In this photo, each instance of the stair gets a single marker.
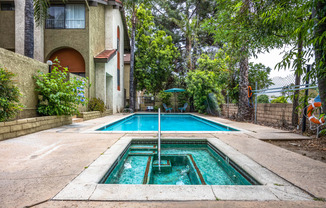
(144, 147)
(142, 152)
(166, 166)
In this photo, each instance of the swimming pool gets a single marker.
(182, 163)
(169, 122)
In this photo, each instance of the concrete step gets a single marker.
(144, 147)
(142, 152)
(165, 166)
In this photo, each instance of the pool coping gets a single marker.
(86, 185)
(95, 128)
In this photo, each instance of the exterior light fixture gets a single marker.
(49, 62)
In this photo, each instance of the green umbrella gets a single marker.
(174, 90)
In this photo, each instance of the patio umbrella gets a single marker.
(174, 90)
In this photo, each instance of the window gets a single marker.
(7, 6)
(70, 16)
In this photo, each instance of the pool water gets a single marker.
(169, 122)
(182, 164)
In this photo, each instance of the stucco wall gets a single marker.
(7, 29)
(96, 39)
(78, 39)
(24, 68)
(126, 79)
(19, 26)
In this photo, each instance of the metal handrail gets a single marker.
(291, 87)
(159, 139)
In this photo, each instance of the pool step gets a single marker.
(166, 166)
(142, 152)
(144, 147)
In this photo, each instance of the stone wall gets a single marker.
(94, 114)
(22, 127)
(279, 114)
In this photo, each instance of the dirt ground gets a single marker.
(313, 148)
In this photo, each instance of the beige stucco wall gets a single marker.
(96, 40)
(113, 20)
(7, 29)
(19, 26)
(126, 79)
(24, 68)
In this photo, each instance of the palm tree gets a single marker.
(34, 9)
(29, 29)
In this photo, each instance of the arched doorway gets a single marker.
(71, 59)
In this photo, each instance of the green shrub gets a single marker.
(263, 99)
(96, 104)
(200, 84)
(280, 99)
(9, 96)
(165, 97)
(58, 95)
(183, 98)
(156, 108)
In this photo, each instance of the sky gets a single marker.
(271, 59)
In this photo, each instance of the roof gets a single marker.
(126, 58)
(105, 56)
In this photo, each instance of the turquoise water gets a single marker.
(169, 122)
(184, 158)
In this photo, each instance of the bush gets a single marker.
(263, 99)
(182, 98)
(9, 96)
(59, 94)
(165, 97)
(96, 104)
(200, 84)
(156, 108)
(280, 99)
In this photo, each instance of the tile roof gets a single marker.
(105, 56)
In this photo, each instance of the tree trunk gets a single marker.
(243, 107)
(295, 112)
(320, 52)
(188, 51)
(132, 91)
(29, 29)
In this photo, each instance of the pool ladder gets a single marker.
(159, 139)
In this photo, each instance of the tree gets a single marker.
(29, 29)
(306, 20)
(131, 5)
(260, 74)
(154, 55)
(200, 84)
(182, 19)
(320, 48)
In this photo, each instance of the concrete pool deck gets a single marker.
(36, 167)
